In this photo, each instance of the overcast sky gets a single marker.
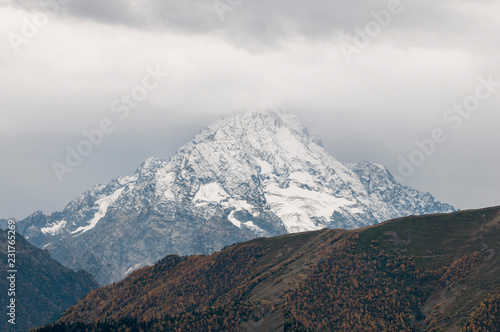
(368, 95)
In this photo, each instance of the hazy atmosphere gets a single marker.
(413, 85)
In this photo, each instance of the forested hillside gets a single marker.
(42, 288)
(428, 273)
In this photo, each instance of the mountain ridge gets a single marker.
(418, 273)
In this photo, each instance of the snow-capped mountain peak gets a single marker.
(255, 174)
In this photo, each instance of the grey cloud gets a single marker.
(395, 92)
(270, 22)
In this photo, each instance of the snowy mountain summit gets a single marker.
(256, 174)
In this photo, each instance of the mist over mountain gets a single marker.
(258, 174)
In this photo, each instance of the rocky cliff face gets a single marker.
(253, 175)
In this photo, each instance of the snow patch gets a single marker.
(248, 224)
(168, 194)
(54, 228)
(295, 206)
(127, 179)
(239, 205)
(233, 219)
(255, 228)
(164, 182)
(211, 192)
(103, 204)
(265, 167)
(133, 268)
(303, 178)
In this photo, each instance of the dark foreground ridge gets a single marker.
(43, 289)
(426, 273)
